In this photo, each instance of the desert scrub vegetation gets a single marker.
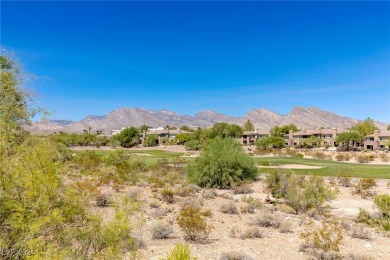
(299, 192)
(193, 224)
(180, 252)
(323, 240)
(222, 164)
(363, 187)
(344, 179)
(229, 208)
(343, 157)
(235, 256)
(161, 230)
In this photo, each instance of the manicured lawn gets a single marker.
(330, 168)
(148, 156)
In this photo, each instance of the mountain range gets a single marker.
(262, 118)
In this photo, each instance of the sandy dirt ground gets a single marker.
(274, 245)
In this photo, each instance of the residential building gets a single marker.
(378, 140)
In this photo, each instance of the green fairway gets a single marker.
(148, 156)
(330, 168)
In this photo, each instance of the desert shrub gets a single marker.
(267, 219)
(363, 187)
(88, 160)
(299, 192)
(363, 158)
(115, 158)
(228, 208)
(192, 223)
(382, 202)
(251, 232)
(193, 201)
(242, 189)
(319, 155)
(159, 212)
(222, 164)
(344, 179)
(161, 230)
(207, 213)
(254, 202)
(361, 233)
(285, 227)
(358, 257)
(168, 195)
(299, 155)
(180, 252)
(102, 200)
(343, 157)
(327, 237)
(235, 256)
(192, 145)
(367, 183)
(186, 190)
(384, 157)
(364, 217)
(209, 194)
(286, 209)
(155, 204)
(248, 208)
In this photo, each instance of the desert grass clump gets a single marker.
(319, 155)
(251, 233)
(242, 189)
(363, 187)
(193, 224)
(209, 194)
(168, 195)
(267, 219)
(102, 200)
(180, 252)
(285, 227)
(235, 256)
(362, 158)
(382, 202)
(161, 230)
(360, 233)
(229, 208)
(384, 157)
(343, 157)
(248, 209)
(344, 179)
(253, 202)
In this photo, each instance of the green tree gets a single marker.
(270, 142)
(365, 127)
(14, 101)
(224, 130)
(347, 140)
(248, 126)
(312, 141)
(144, 128)
(222, 164)
(150, 140)
(182, 138)
(128, 137)
(186, 128)
(282, 130)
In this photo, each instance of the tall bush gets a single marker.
(222, 164)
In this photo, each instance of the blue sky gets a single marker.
(94, 57)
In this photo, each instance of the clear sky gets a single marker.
(94, 57)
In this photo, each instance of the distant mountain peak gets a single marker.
(262, 118)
